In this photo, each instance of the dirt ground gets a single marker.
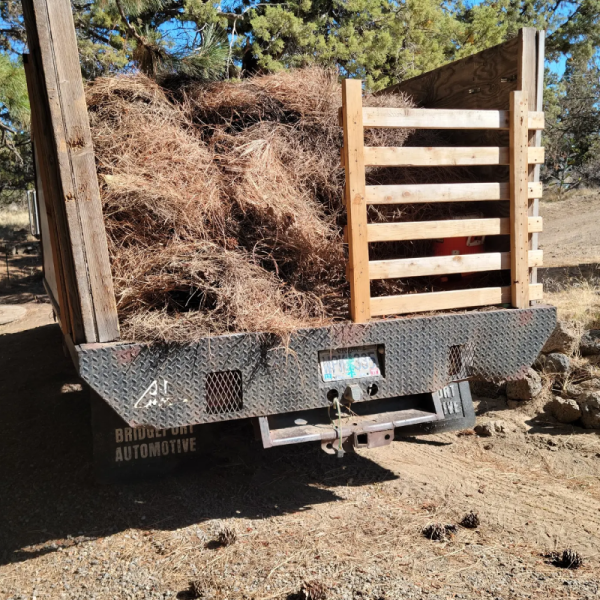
(353, 525)
(570, 234)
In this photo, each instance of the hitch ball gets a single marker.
(353, 393)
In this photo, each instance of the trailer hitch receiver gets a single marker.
(372, 439)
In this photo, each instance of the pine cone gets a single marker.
(313, 590)
(227, 537)
(471, 520)
(438, 532)
(569, 559)
(195, 590)
(435, 532)
(199, 588)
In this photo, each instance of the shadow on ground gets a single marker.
(50, 498)
(546, 425)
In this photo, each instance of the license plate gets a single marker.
(349, 363)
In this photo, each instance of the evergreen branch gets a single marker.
(92, 33)
(8, 129)
(130, 28)
(7, 143)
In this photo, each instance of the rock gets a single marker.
(526, 388)
(589, 385)
(564, 410)
(489, 428)
(540, 363)
(484, 430)
(589, 404)
(557, 363)
(499, 426)
(563, 339)
(572, 391)
(590, 343)
(575, 390)
(487, 389)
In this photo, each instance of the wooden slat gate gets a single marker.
(519, 121)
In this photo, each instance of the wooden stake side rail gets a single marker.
(519, 120)
(66, 295)
(431, 230)
(432, 118)
(358, 249)
(519, 202)
(445, 157)
(69, 172)
(446, 265)
(483, 81)
(444, 192)
(476, 156)
(413, 303)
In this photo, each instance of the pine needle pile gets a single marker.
(223, 202)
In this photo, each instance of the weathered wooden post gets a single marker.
(68, 173)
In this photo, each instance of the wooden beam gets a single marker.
(356, 206)
(52, 42)
(446, 265)
(432, 118)
(519, 227)
(530, 78)
(430, 230)
(413, 303)
(536, 140)
(443, 192)
(443, 156)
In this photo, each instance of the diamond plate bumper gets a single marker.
(162, 385)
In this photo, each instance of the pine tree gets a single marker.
(572, 135)
(381, 41)
(115, 35)
(573, 28)
(15, 158)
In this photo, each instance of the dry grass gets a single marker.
(578, 301)
(553, 194)
(14, 219)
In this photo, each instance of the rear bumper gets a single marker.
(372, 424)
(252, 375)
(122, 452)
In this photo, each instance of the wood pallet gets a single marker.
(519, 121)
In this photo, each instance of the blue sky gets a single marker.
(558, 66)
